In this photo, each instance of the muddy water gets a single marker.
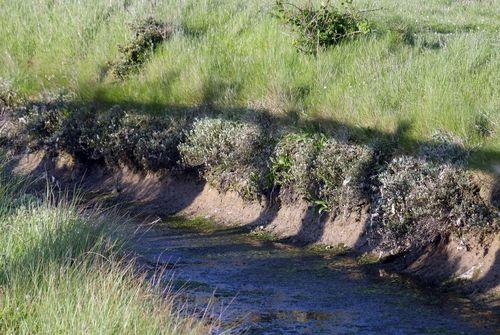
(263, 288)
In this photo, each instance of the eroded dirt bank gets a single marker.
(155, 194)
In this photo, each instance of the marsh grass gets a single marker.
(60, 272)
(432, 64)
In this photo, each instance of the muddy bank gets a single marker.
(475, 266)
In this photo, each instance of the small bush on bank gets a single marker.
(421, 200)
(8, 97)
(326, 172)
(292, 164)
(148, 143)
(147, 36)
(231, 154)
(341, 172)
(114, 135)
(318, 28)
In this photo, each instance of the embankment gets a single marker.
(475, 265)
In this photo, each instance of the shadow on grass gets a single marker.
(387, 142)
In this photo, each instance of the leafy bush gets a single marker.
(148, 35)
(443, 148)
(114, 135)
(318, 28)
(44, 124)
(231, 154)
(326, 172)
(8, 96)
(292, 164)
(341, 172)
(149, 143)
(421, 200)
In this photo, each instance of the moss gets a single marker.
(368, 258)
(262, 235)
(331, 250)
(195, 224)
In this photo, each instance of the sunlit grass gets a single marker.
(60, 273)
(234, 53)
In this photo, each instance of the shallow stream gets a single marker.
(259, 287)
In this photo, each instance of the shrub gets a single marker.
(292, 164)
(149, 143)
(421, 200)
(8, 97)
(147, 36)
(114, 135)
(231, 154)
(44, 124)
(444, 148)
(341, 172)
(318, 28)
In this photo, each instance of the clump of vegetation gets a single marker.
(292, 164)
(8, 96)
(322, 170)
(231, 154)
(113, 135)
(198, 224)
(417, 199)
(60, 270)
(261, 234)
(341, 172)
(147, 36)
(421, 200)
(319, 28)
(147, 142)
(444, 148)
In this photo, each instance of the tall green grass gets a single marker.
(60, 273)
(234, 53)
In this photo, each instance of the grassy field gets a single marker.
(433, 65)
(59, 273)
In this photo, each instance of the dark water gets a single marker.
(263, 288)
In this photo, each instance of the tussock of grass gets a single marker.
(60, 273)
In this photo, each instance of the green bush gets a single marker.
(147, 36)
(148, 143)
(292, 164)
(420, 200)
(8, 97)
(319, 28)
(114, 135)
(231, 154)
(341, 172)
(327, 173)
